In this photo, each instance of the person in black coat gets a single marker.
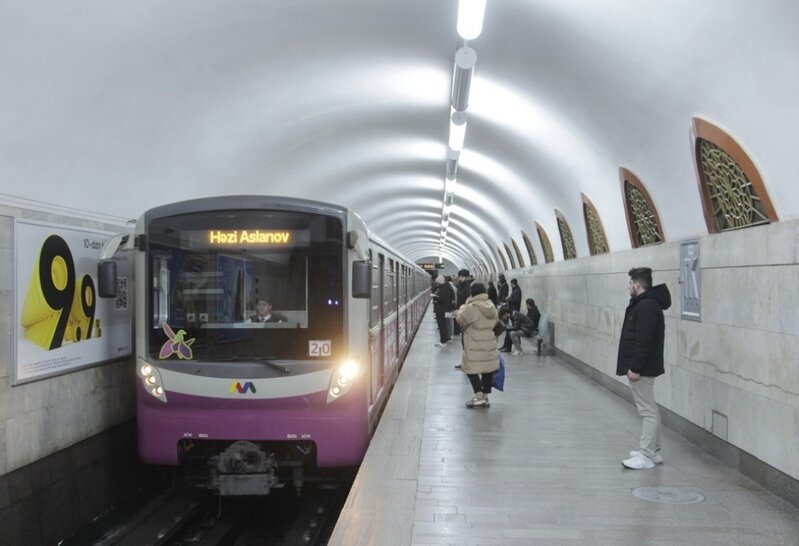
(442, 304)
(515, 298)
(532, 312)
(493, 295)
(503, 290)
(520, 326)
(464, 292)
(640, 358)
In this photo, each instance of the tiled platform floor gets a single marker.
(542, 465)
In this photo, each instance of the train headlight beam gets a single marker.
(342, 379)
(151, 379)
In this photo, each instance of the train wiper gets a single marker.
(261, 360)
(266, 360)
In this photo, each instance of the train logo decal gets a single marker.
(242, 389)
(176, 344)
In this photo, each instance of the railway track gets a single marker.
(187, 516)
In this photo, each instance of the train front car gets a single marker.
(247, 370)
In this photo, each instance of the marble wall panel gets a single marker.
(740, 360)
(43, 417)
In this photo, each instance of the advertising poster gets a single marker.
(60, 324)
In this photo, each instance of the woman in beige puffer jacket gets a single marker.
(477, 318)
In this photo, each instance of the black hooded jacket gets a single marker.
(643, 332)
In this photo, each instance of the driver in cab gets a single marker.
(264, 313)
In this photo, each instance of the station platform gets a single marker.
(542, 465)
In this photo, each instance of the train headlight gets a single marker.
(152, 380)
(342, 380)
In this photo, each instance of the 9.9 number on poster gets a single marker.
(56, 308)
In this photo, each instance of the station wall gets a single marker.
(40, 418)
(735, 373)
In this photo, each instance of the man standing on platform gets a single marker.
(641, 359)
(464, 289)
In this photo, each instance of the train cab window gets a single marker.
(210, 274)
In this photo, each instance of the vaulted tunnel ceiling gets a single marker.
(115, 107)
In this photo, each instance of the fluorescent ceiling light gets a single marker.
(457, 131)
(465, 59)
(446, 209)
(449, 198)
(449, 185)
(470, 18)
(452, 168)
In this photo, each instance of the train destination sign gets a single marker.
(260, 237)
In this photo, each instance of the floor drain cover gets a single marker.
(668, 495)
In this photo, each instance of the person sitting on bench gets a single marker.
(521, 325)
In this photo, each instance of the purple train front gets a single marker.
(268, 333)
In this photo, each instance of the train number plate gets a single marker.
(320, 347)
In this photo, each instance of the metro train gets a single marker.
(255, 405)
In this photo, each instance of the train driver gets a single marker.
(264, 313)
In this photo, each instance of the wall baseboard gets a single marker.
(768, 477)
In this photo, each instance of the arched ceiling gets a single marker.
(116, 107)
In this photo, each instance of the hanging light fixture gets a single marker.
(449, 185)
(465, 59)
(470, 18)
(457, 131)
(452, 163)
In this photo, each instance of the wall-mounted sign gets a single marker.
(690, 281)
(60, 324)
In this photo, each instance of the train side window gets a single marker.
(361, 279)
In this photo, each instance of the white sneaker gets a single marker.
(479, 400)
(657, 459)
(517, 353)
(638, 462)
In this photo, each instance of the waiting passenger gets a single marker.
(641, 360)
(442, 304)
(532, 312)
(520, 326)
(515, 298)
(264, 313)
(503, 290)
(493, 295)
(480, 360)
(463, 293)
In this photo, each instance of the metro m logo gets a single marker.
(237, 386)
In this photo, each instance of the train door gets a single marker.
(389, 315)
(403, 307)
(375, 328)
(395, 282)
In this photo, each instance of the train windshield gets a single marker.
(241, 285)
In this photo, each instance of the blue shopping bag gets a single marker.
(499, 375)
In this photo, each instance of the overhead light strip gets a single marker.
(469, 27)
